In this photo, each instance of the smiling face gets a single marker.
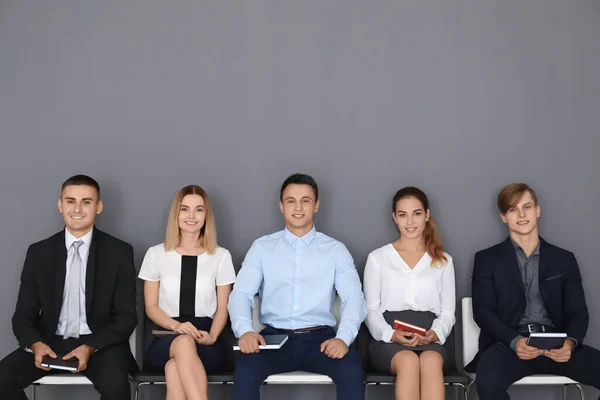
(79, 205)
(410, 217)
(192, 213)
(298, 206)
(521, 219)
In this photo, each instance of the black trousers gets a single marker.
(499, 367)
(107, 369)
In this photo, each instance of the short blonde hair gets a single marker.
(208, 233)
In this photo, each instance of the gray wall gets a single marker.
(458, 97)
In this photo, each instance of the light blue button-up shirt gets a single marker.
(296, 278)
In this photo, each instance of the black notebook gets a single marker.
(273, 342)
(58, 363)
(546, 340)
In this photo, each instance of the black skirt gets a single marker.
(381, 353)
(213, 356)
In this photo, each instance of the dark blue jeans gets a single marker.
(301, 352)
(499, 367)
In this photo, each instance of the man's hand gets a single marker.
(430, 337)
(249, 342)
(82, 353)
(334, 348)
(525, 352)
(563, 354)
(405, 338)
(205, 338)
(39, 351)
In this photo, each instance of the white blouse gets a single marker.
(391, 285)
(165, 267)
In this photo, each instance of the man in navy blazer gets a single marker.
(525, 285)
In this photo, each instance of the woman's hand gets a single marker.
(405, 338)
(430, 337)
(187, 328)
(206, 338)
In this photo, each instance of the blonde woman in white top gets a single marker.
(188, 279)
(412, 280)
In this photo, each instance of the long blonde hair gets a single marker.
(208, 233)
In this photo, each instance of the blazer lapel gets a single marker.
(90, 274)
(512, 264)
(60, 271)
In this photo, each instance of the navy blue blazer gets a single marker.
(499, 295)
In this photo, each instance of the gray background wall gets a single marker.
(458, 97)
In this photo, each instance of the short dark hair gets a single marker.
(81, 180)
(509, 196)
(300, 179)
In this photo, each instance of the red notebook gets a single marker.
(405, 326)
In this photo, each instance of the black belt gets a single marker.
(526, 329)
(304, 330)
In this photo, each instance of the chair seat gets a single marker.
(152, 377)
(449, 378)
(67, 378)
(298, 377)
(541, 379)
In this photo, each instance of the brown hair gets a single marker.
(431, 234)
(509, 196)
(208, 233)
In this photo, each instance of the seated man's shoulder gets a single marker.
(58, 237)
(555, 250)
(492, 251)
(112, 241)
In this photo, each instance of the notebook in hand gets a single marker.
(546, 340)
(273, 342)
(405, 326)
(58, 363)
(161, 333)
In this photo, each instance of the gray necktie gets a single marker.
(73, 311)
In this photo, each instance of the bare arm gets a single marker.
(221, 316)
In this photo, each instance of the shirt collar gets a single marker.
(517, 248)
(306, 239)
(86, 239)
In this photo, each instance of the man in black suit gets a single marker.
(525, 285)
(77, 299)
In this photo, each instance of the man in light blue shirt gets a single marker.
(296, 273)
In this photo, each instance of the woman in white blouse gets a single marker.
(411, 280)
(187, 283)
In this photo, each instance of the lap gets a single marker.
(212, 357)
(382, 353)
(19, 366)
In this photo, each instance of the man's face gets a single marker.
(298, 207)
(79, 205)
(522, 218)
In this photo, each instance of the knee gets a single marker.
(171, 367)
(183, 344)
(114, 388)
(348, 368)
(248, 370)
(430, 361)
(491, 380)
(406, 362)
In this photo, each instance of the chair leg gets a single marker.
(565, 392)
(464, 389)
(32, 392)
(468, 389)
(581, 393)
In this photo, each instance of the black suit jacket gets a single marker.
(110, 287)
(499, 294)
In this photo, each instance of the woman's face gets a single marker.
(192, 213)
(410, 217)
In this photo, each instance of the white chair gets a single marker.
(69, 378)
(296, 377)
(470, 348)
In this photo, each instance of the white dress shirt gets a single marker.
(84, 251)
(165, 267)
(391, 285)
